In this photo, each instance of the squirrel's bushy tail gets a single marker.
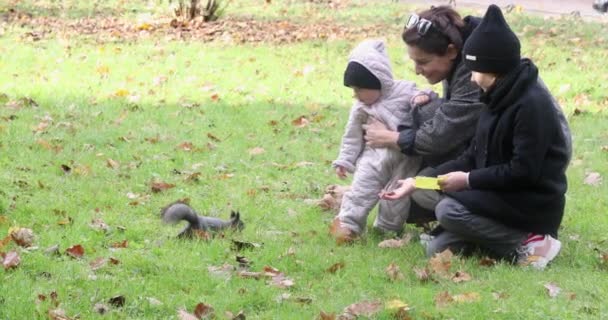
(178, 211)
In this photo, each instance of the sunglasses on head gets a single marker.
(422, 25)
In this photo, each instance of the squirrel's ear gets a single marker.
(232, 214)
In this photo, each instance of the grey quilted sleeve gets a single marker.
(352, 141)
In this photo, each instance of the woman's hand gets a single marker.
(378, 136)
(341, 172)
(405, 189)
(454, 181)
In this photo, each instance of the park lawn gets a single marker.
(107, 119)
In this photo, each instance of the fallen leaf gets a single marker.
(239, 316)
(461, 276)
(604, 148)
(122, 244)
(243, 261)
(335, 267)
(111, 163)
(10, 260)
(242, 245)
(393, 243)
(400, 309)
(66, 168)
(213, 137)
(5, 241)
(363, 308)
(101, 308)
(423, 274)
(57, 314)
(223, 271)
(184, 315)
(487, 262)
(394, 272)
(75, 251)
(281, 281)
(552, 289)
(593, 179)
(158, 186)
(327, 316)
(99, 224)
(499, 295)
(186, 146)
(117, 301)
(441, 262)
(22, 236)
(256, 151)
(203, 311)
(52, 250)
(443, 299)
(467, 297)
(98, 263)
(341, 234)
(300, 122)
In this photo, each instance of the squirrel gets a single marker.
(178, 211)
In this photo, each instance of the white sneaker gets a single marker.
(538, 250)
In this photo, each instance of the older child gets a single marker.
(506, 193)
(380, 98)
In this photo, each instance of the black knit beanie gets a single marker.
(356, 75)
(492, 47)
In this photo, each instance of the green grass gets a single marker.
(168, 90)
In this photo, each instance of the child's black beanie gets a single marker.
(356, 75)
(492, 47)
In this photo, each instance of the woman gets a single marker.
(434, 40)
(508, 188)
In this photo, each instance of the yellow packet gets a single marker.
(427, 183)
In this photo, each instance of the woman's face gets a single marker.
(433, 67)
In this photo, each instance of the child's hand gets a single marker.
(421, 99)
(454, 181)
(405, 189)
(341, 172)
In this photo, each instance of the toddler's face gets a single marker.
(484, 80)
(367, 96)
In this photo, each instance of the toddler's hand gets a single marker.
(406, 188)
(420, 99)
(341, 172)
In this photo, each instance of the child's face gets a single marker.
(366, 96)
(484, 80)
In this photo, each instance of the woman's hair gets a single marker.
(446, 30)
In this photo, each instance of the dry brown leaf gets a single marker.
(326, 316)
(117, 301)
(101, 308)
(98, 263)
(281, 281)
(5, 241)
(10, 260)
(57, 314)
(203, 311)
(122, 244)
(223, 271)
(300, 122)
(400, 309)
(158, 186)
(341, 234)
(213, 137)
(552, 289)
(441, 263)
(467, 297)
(423, 274)
(394, 272)
(22, 236)
(396, 243)
(604, 148)
(443, 299)
(256, 151)
(99, 224)
(184, 315)
(461, 276)
(499, 295)
(487, 262)
(335, 267)
(186, 146)
(593, 179)
(363, 308)
(111, 163)
(75, 251)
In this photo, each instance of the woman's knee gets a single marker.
(449, 212)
